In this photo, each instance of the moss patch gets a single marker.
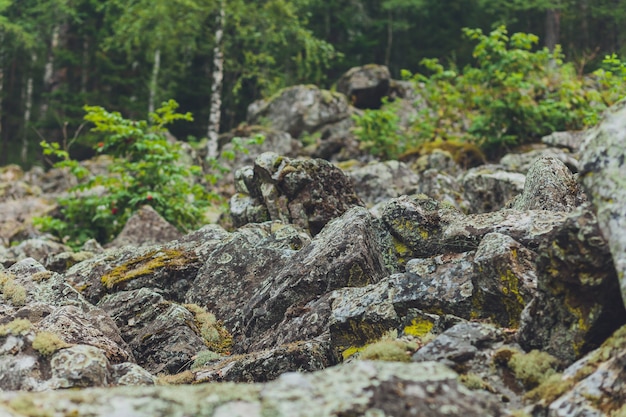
(48, 343)
(186, 377)
(216, 337)
(147, 264)
(16, 327)
(419, 327)
(531, 368)
(11, 290)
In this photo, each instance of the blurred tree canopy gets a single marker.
(130, 55)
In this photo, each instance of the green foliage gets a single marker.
(144, 169)
(512, 95)
(380, 133)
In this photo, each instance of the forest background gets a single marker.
(130, 55)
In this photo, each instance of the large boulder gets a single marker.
(603, 176)
(306, 192)
(365, 86)
(299, 109)
(145, 227)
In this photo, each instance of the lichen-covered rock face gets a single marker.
(398, 389)
(80, 366)
(570, 140)
(307, 193)
(171, 268)
(299, 109)
(578, 304)
(365, 86)
(145, 227)
(38, 249)
(161, 334)
(521, 162)
(549, 185)
(352, 251)
(603, 176)
(239, 265)
(267, 365)
(489, 188)
(381, 181)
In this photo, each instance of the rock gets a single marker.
(549, 185)
(603, 176)
(505, 279)
(145, 227)
(578, 303)
(592, 386)
(239, 265)
(489, 188)
(351, 251)
(398, 389)
(307, 193)
(380, 181)
(63, 261)
(74, 326)
(337, 141)
(38, 249)
(299, 109)
(17, 216)
(170, 268)
(80, 366)
(571, 140)
(444, 188)
(365, 86)
(267, 365)
(161, 334)
(521, 162)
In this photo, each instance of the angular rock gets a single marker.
(145, 227)
(162, 335)
(360, 388)
(307, 193)
(351, 251)
(299, 109)
(505, 279)
(74, 326)
(37, 249)
(578, 303)
(170, 268)
(267, 365)
(380, 181)
(63, 261)
(521, 162)
(549, 185)
(80, 366)
(603, 176)
(365, 86)
(444, 188)
(239, 265)
(489, 188)
(337, 141)
(571, 140)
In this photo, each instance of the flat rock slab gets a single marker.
(361, 388)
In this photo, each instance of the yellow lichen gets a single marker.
(41, 276)
(48, 343)
(216, 337)
(11, 290)
(147, 264)
(419, 327)
(15, 327)
(386, 350)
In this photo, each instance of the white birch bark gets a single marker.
(216, 88)
(28, 105)
(154, 81)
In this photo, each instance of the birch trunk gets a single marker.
(154, 81)
(48, 74)
(216, 88)
(28, 100)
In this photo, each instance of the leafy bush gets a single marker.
(512, 95)
(144, 169)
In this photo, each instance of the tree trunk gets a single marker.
(553, 28)
(48, 74)
(1, 80)
(28, 105)
(84, 70)
(216, 88)
(389, 38)
(155, 77)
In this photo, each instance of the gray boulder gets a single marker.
(299, 109)
(307, 193)
(549, 185)
(380, 181)
(365, 86)
(145, 227)
(399, 389)
(603, 176)
(489, 188)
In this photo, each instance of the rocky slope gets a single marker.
(345, 288)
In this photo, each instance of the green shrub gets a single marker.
(512, 95)
(144, 169)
